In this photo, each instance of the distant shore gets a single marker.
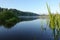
(44, 16)
(41, 16)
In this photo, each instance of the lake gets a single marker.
(29, 29)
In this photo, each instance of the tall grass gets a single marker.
(54, 19)
(51, 16)
(54, 22)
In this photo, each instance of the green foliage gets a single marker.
(11, 22)
(19, 13)
(7, 14)
(54, 19)
(54, 22)
(8, 18)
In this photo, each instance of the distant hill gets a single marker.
(19, 13)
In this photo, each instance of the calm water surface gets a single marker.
(37, 29)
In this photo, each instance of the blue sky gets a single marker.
(36, 6)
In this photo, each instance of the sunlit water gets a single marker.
(37, 29)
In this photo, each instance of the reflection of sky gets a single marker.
(28, 30)
(38, 6)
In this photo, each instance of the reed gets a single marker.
(54, 19)
(54, 22)
(51, 16)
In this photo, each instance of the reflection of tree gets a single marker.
(10, 23)
(56, 34)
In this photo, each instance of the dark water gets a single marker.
(28, 29)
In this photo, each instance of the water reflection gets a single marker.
(11, 24)
(56, 33)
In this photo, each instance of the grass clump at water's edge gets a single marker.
(54, 19)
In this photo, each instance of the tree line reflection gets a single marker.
(11, 24)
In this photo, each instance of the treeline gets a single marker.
(18, 12)
(9, 17)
